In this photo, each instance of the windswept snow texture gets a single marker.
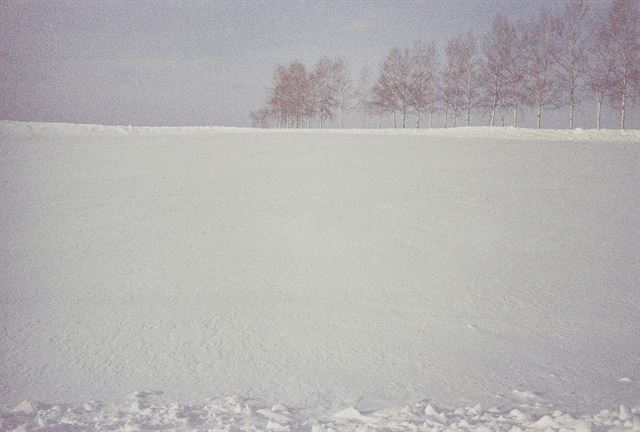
(320, 268)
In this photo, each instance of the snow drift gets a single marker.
(321, 269)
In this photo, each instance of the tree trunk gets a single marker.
(364, 117)
(446, 116)
(493, 111)
(321, 120)
(598, 112)
(571, 109)
(418, 120)
(469, 115)
(539, 117)
(502, 113)
(379, 119)
(404, 118)
(455, 116)
(515, 114)
(430, 119)
(393, 116)
(622, 114)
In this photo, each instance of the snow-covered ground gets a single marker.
(308, 280)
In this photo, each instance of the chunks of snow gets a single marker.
(430, 411)
(351, 413)
(26, 407)
(161, 415)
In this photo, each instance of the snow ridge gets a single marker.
(483, 132)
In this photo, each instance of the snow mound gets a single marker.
(145, 412)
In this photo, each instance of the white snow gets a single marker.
(330, 279)
(222, 414)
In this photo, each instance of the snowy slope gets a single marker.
(320, 269)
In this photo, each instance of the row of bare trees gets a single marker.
(299, 95)
(560, 59)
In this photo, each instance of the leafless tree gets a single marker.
(277, 102)
(496, 48)
(290, 95)
(382, 101)
(343, 86)
(324, 90)
(469, 74)
(571, 54)
(394, 83)
(466, 75)
(541, 48)
(424, 80)
(458, 56)
(363, 93)
(516, 92)
(600, 64)
(299, 93)
(624, 24)
(448, 93)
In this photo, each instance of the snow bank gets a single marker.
(485, 132)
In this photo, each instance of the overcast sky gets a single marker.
(170, 62)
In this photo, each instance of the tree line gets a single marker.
(559, 59)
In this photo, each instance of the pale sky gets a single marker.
(170, 62)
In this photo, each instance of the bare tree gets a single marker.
(452, 78)
(571, 53)
(394, 83)
(541, 49)
(299, 87)
(469, 74)
(324, 90)
(423, 81)
(496, 46)
(310, 104)
(277, 101)
(516, 92)
(432, 89)
(600, 64)
(363, 93)
(343, 86)
(382, 101)
(623, 21)
(447, 92)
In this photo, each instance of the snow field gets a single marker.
(318, 270)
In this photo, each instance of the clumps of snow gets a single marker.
(352, 414)
(431, 412)
(149, 412)
(524, 396)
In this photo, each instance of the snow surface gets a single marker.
(344, 276)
